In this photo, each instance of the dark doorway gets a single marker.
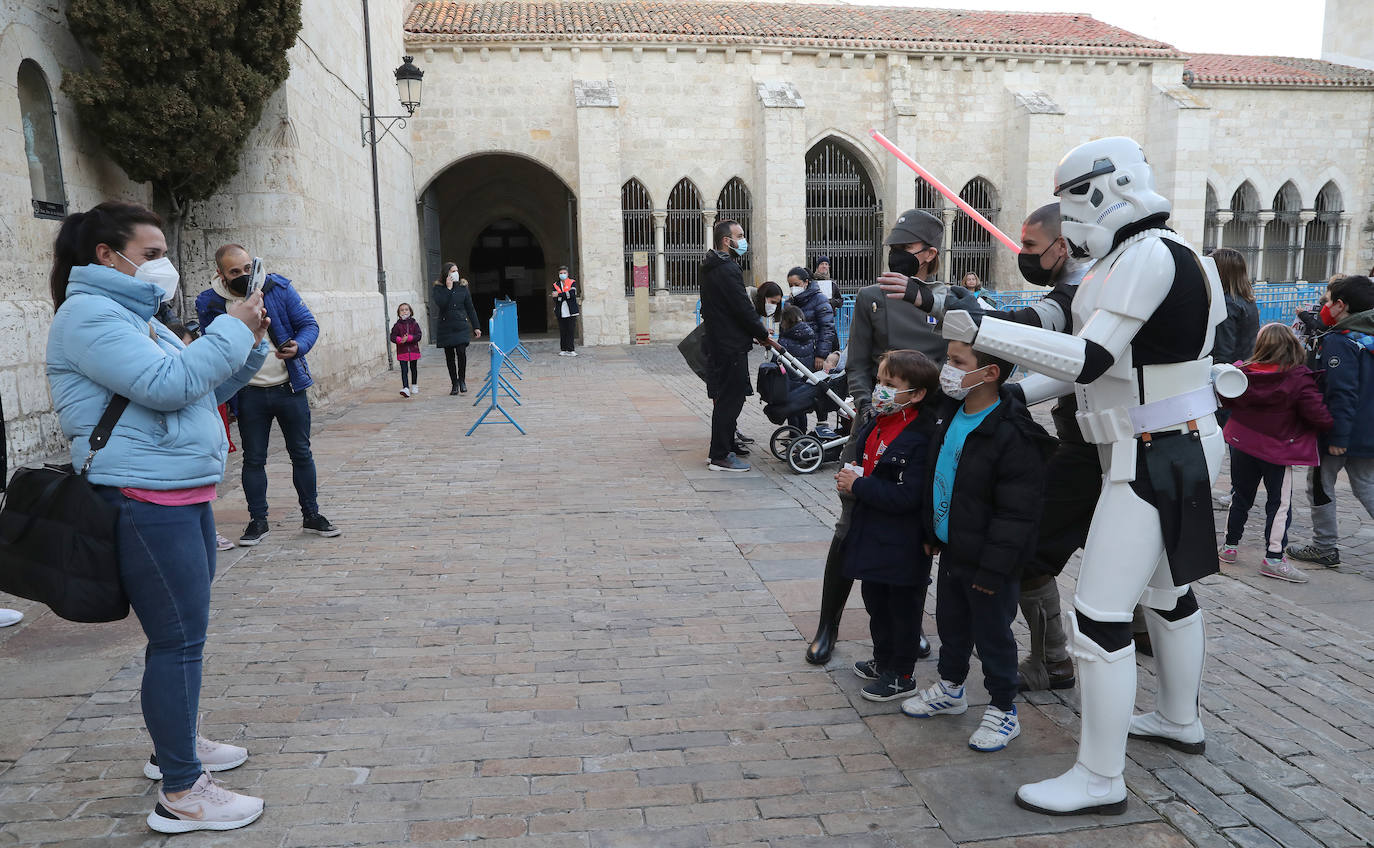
(507, 261)
(844, 218)
(508, 222)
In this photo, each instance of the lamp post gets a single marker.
(409, 80)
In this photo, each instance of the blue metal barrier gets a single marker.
(505, 342)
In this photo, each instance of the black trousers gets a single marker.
(894, 622)
(1247, 472)
(966, 619)
(567, 329)
(456, 358)
(1073, 483)
(727, 381)
(410, 372)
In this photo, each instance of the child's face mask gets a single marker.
(885, 399)
(952, 381)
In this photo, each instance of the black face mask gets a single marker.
(238, 285)
(1029, 265)
(901, 262)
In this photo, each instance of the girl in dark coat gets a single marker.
(798, 339)
(1273, 427)
(457, 324)
(885, 544)
(405, 334)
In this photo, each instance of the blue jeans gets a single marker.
(166, 562)
(258, 408)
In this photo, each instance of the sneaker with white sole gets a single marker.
(942, 698)
(223, 544)
(729, 463)
(867, 670)
(405, 392)
(996, 731)
(208, 806)
(214, 756)
(415, 389)
(1228, 554)
(889, 687)
(1282, 569)
(9, 617)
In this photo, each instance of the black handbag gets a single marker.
(57, 537)
(690, 348)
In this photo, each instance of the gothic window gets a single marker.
(928, 199)
(39, 126)
(1240, 232)
(1210, 226)
(686, 240)
(1281, 237)
(637, 215)
(970, 245)
(736, 204)
(844, 218)
(1322, 246)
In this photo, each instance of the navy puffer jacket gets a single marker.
(820, 315)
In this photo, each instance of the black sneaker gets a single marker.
(740, 449)
(742, 439)
(257, 530)
(320, 526)
(868, 669)
(1312, 553)
(922, 647)
(889, 687)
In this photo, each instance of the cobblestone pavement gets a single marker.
(581, 637)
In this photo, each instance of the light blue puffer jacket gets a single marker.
(103, 342)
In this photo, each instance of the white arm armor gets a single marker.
(1037, 388)
(1137, 281)
(1051, 315)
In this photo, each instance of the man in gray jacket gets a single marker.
(880, 324)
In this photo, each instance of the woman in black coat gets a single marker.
(457, 324)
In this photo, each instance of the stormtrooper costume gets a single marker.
(1139, 362)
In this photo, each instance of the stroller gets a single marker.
(821, 393)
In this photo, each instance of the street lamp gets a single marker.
(409, 80)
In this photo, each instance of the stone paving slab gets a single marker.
(582, 637)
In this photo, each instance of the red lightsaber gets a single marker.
(943, 189)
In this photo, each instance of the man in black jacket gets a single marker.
(731, 328)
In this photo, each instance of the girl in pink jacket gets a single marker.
(405, 334)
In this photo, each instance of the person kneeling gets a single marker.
(986, 481)
(884, 545)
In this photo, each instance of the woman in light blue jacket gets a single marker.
(110, 274)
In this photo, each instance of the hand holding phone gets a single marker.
(257, 277)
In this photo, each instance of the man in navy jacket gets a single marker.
(276, 392)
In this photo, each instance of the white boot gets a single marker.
(1094, 785)
(1180, 648)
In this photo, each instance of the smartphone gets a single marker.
(257, 277)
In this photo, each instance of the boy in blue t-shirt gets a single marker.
(987, 477)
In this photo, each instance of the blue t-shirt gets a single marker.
(947, 464)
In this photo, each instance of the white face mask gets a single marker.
(562, 275)
(796, 290)
(160, 272)
(952, 382)
(770, 308)
(453, 277)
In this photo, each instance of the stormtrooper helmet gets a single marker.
(1102, 186)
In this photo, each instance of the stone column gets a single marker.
(660, 244)
(708, 216)
(601, 234)
(1036, 137)
(1257, 239)
(1339, 253)
(948, 214)
(779, 180)
(1304, 218)
(1178, 145)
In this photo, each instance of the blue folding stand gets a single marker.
(505, 342)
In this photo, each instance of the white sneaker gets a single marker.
(9, 616)
(572, 353)
(405, 392)
(562, 353)
(223, 544)
(208, 806)
(941, 698)
(214, 756)
(996, 731)
(415, 389)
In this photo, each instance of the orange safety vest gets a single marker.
(563, 286)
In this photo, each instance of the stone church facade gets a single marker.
(592, 134)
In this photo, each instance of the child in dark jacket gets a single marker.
(798, 338)
(986, 472)
(1346, 352)
(1273, 427)
(405, 333)
(884, 544)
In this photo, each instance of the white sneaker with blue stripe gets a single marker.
(943, 698)
(996, 731)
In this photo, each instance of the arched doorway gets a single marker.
(844, 218)
(508, 222)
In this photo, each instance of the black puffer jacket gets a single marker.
(730, 321)
(820, 315)
(994, 515)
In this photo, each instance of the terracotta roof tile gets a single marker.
(1218, 69)
(725, 22)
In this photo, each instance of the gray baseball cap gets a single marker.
(914, 225)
